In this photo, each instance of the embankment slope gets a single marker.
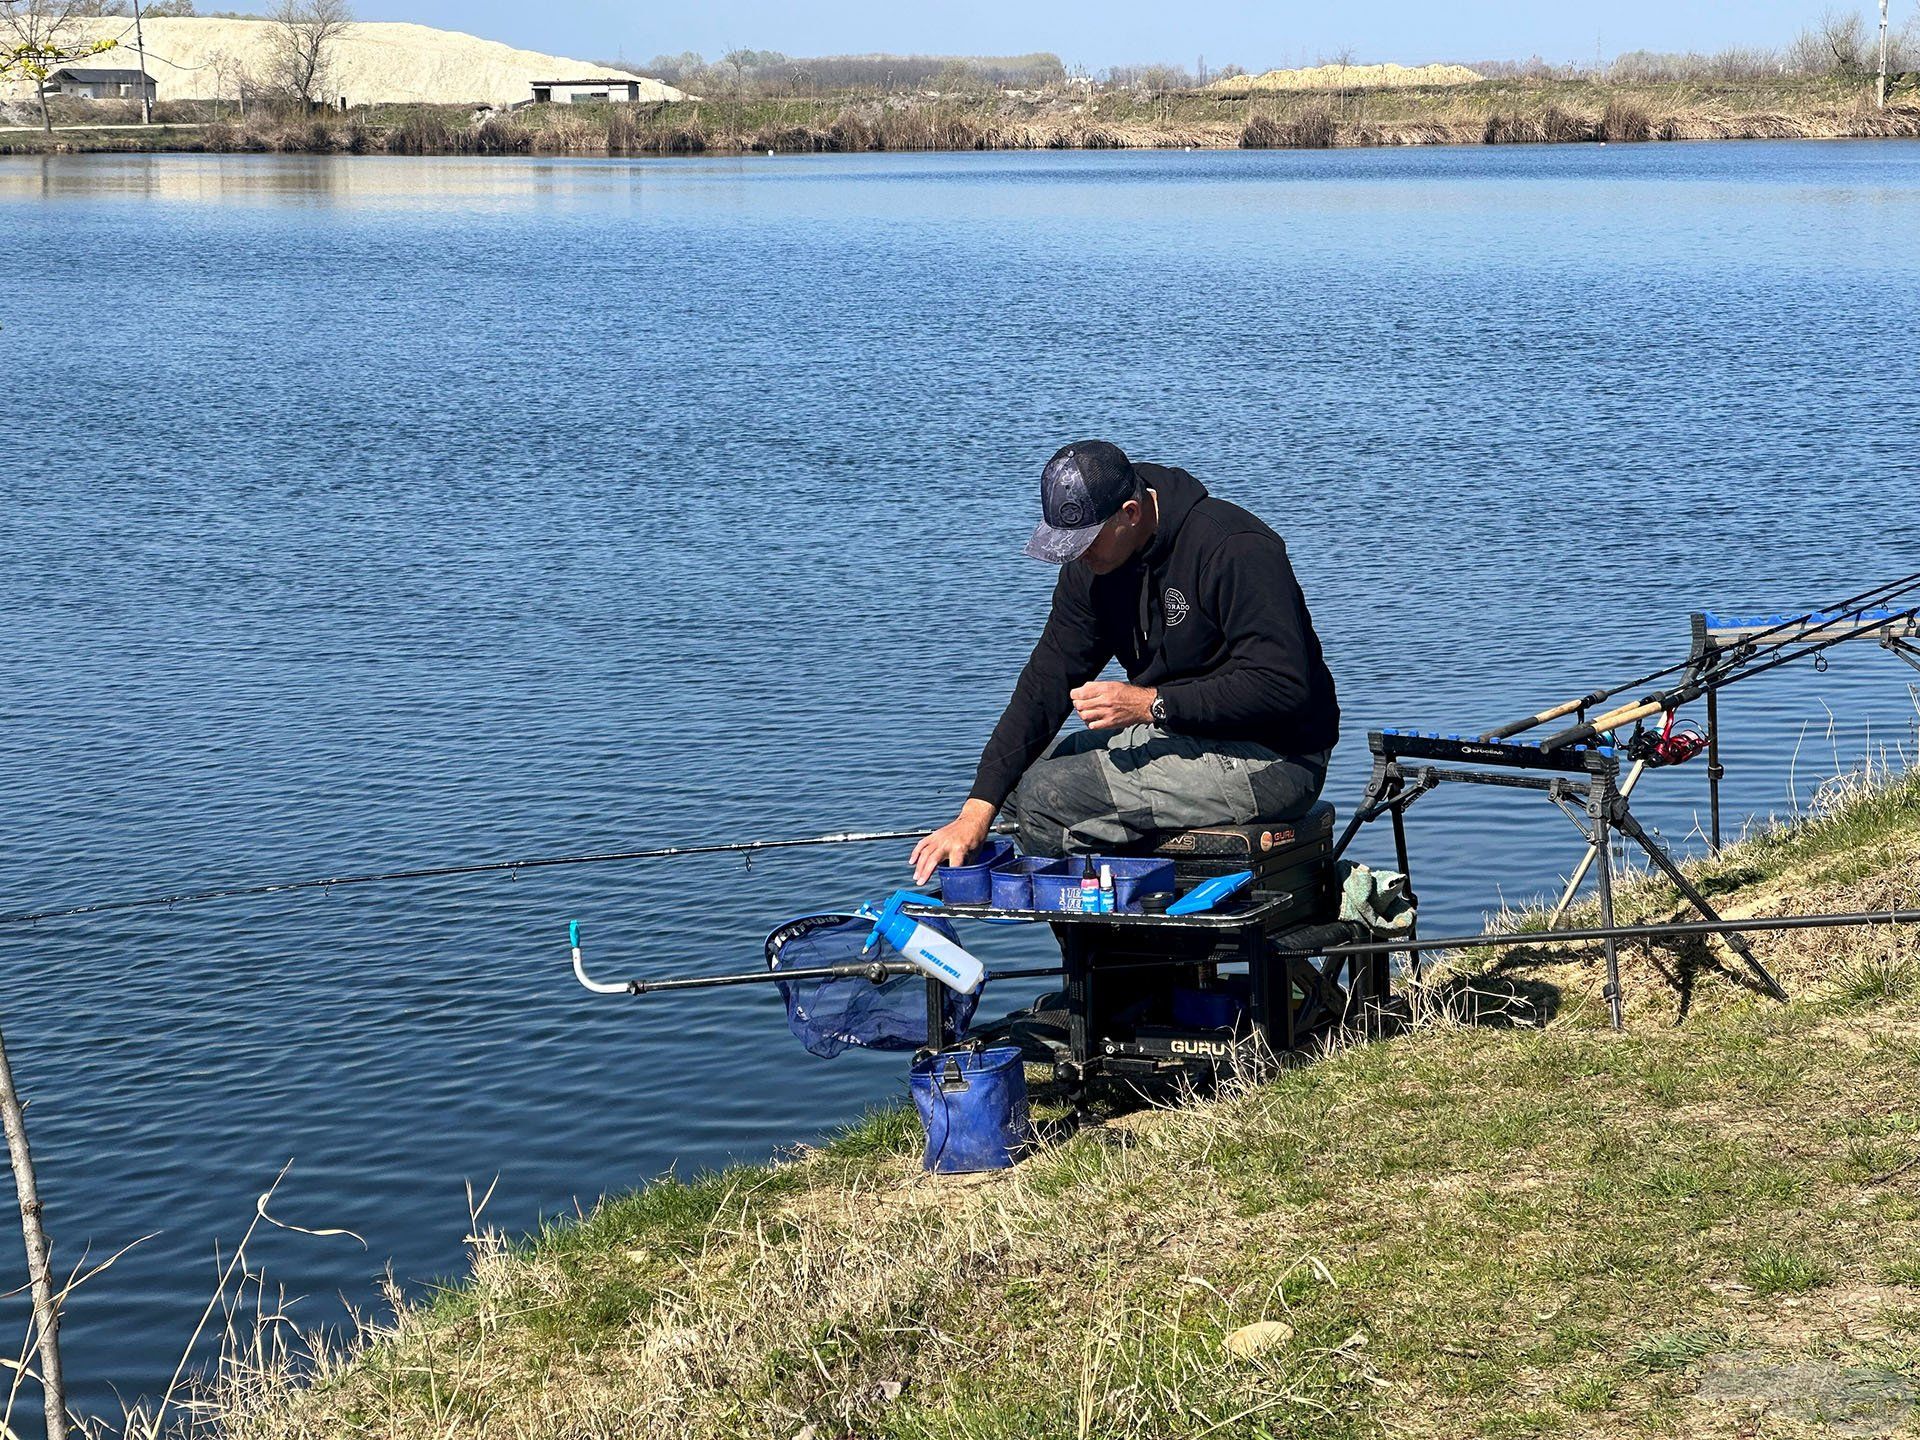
(1509, 1221)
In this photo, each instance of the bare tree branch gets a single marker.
(37, 37)
(306, 35)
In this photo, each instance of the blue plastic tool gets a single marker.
(939, 955)
(1209, 893)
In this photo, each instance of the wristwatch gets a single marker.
(1159, 711)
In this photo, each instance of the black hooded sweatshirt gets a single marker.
(1209, 614)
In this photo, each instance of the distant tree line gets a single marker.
(152, 9)
(768, 72)
(1841, 44)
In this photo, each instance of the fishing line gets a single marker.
(437, 872)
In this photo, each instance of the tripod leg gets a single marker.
(1599, 803)
(1586, 860)
(1381, 784)
(1736, 942)
(1400, 859)
(1714, 768)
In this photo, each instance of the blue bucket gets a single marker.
(973, 1106)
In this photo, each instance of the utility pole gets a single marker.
(146, 94)
(1880, 85)
(46, 1306)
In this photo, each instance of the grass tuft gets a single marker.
(1777, 1270)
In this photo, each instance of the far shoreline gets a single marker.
(1488, 113)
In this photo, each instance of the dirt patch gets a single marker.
(1826, 1396)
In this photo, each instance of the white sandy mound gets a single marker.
(1351, 77)
(375, 61)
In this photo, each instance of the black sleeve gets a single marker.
(1263, 682)
(1070, 653)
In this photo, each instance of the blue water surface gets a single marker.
(359, 513)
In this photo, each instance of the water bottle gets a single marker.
(923, 945)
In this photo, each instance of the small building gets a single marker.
(85, 83)
(617, 90)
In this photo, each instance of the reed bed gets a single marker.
(1491, 112)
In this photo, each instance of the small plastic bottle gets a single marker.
(1106, 890)
(1089, 891)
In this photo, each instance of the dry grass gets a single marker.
(1349, 77)
(1526, 1227)
(1503, 112)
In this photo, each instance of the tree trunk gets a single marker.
(46, 1310)
(46, 115)
(1880, 81)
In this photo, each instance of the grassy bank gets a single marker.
(1492, 112)
(1509, 1221)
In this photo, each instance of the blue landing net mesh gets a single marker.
(827, 1016)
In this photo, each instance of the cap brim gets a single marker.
(1057, 546)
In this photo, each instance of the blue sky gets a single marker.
(1098, 33)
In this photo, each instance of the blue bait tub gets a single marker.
(971, 884)
(1012, 883)
(1134, 879)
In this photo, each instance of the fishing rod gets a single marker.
(437, 872)
(1742, 667)
(1834, 921)
(1747, 650)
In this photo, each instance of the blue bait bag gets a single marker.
(973, 1106)
(827, 1016)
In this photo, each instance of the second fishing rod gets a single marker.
(1775, 635)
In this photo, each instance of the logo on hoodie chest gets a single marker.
(1176, 607)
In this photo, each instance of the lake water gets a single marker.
(360, 513)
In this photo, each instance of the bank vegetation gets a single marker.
(1492, 113)
(1506, 1221)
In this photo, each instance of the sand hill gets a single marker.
(203, 59)
(1350, 77)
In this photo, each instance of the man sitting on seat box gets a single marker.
(1228, 714)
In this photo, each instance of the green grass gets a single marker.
(1778, 1270)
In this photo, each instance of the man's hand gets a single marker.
(1109, 704)
(953, 841)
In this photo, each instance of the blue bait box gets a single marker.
(970, 884)
(1012, 883)
(1134, 879)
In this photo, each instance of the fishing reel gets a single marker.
(1673, 744)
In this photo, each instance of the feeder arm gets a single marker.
(874, 970)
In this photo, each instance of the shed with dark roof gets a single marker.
(88, 83)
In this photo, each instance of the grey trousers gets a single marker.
(1102, 789)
